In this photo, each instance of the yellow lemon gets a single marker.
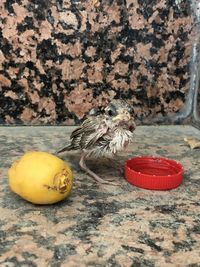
(40, 178)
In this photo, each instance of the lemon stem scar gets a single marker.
(60, 182)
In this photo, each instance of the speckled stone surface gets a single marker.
(101, 225)
(60, 58)
(195, 70)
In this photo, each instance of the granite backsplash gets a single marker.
(58, 59)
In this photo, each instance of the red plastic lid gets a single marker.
(154, 173)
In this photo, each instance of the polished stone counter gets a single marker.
(103, 225)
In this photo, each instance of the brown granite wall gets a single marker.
(60, 58)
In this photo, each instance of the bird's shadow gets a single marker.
(101, 166)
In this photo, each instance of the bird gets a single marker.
(102, 134)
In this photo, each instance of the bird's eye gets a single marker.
(131, 111)
(110, 112)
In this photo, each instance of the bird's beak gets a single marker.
(122, 117)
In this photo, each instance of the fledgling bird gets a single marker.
(103, 135)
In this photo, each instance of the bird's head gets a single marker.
(119, 113)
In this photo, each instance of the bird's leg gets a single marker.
(83, 166)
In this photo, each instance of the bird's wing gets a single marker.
(88, 133)
(77, 136)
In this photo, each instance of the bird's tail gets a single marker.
(66, 148)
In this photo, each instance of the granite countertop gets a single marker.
(101, 225)
(54, 54)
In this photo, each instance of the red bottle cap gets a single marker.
(154, 173)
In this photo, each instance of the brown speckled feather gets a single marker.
(87, 135)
